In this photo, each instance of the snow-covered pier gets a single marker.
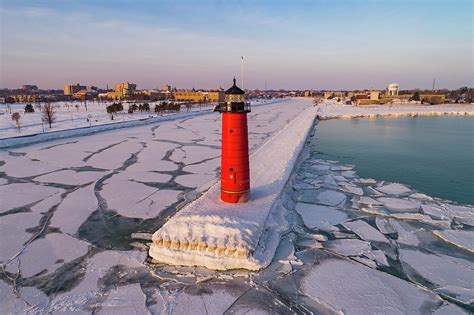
(222, 236)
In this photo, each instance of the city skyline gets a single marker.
(298, 45)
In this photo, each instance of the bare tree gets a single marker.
(49, 113)
(16, 117)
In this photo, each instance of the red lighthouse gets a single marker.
(235, 171)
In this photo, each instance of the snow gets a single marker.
(216, 235)
(318, 216)
(330, 110)
(369, 292)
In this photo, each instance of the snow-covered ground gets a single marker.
(69, 207)
(331, 109)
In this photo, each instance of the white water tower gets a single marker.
(392, 89)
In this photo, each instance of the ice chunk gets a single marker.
(394, 189)
(88, 290)
(127, 299)
(366, 181)
(353, 189)
(464, 295)
(380, 258)
(435, 212)
(320, 167)
(400, 205)
(137, 200)
(421, 196)
(13, 234)
(317, 216)
(17, 195)
(74, 210)
(29, 300)
(50, 253)
(369, 201)
(459, 238)
(462, 214)
(342, 167)
(194, 180)
(69, 177)
(406, 234)
(356, 289)
(331, 198)
(365, 231)
(384, 226)
(448, 273)
(450, 309)
(349, 247)
(349, 174)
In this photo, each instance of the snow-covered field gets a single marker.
(330, 109)
(72, 115)
(69, 115)
(69, 207)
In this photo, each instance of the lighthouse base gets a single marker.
(235, 197)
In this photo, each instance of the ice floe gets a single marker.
(449, 275)
(394, 189)
(49, 253)
(459, 238)
(400, 205)
(365, 231)
(318, 216)
(369, 292)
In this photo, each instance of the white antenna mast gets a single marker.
(242, 72)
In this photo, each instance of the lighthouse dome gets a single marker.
(234, 89)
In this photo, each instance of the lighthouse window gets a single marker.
(231, 131)
(231, 169)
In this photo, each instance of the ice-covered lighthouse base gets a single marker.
(222, 236)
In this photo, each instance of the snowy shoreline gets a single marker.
(331, 110)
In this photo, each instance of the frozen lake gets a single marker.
(353, 245)
(432, 154)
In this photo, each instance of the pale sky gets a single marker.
(289, 44)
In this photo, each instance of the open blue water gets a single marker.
(434, 155)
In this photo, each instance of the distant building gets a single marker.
(70, 89)
(375, 95)
(199, 96)
(166, 88)
(308, 93)
(392, 89)
(122, 91)
(28, 87)
(328, 95)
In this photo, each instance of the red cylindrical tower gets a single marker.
(235, 171)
